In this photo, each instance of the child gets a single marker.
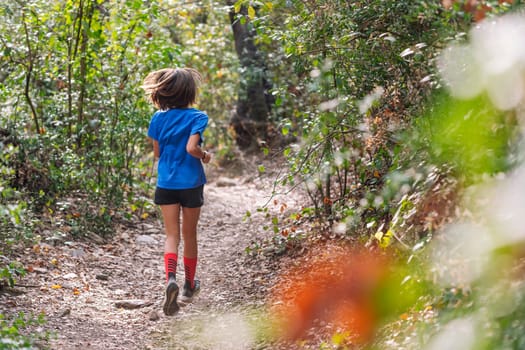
(176, 131)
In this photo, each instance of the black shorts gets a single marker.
(190, 198)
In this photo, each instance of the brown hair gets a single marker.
(172, 87)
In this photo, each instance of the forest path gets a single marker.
(108, 295)
(233, 288)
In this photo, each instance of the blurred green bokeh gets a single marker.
(471, 135)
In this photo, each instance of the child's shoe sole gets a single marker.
(170, 303)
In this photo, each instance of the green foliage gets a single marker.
(12, 331)
(360, 69)
(75, 116)
(81, 124)
(203, 30)
(362, 72)
(353, 92)
(507, 328)
(10, 272)
(471, 136)
(15, 218)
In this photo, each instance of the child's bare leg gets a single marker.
(171, 216)
(190, 219)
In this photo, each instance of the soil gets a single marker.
(107, 293)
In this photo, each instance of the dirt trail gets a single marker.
(78, 285)
(232, 286)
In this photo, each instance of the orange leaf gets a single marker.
(56, 286)
(338, 288)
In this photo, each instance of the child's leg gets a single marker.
(190, 218)
(171, 216)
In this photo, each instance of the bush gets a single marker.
(12, 331)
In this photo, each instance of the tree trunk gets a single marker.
(250, 119)
(29, 73)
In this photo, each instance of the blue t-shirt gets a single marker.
(177, 169)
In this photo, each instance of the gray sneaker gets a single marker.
(170, 303)
(188, 293)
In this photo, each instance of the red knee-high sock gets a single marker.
(170, 265)
(190, 266)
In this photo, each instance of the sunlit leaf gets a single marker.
(407, 52)
(237, 6)
(251, 12)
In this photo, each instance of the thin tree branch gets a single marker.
(29, 74)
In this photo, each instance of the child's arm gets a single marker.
(193, 148)
(156, 149)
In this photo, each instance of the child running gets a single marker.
(176, 131)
